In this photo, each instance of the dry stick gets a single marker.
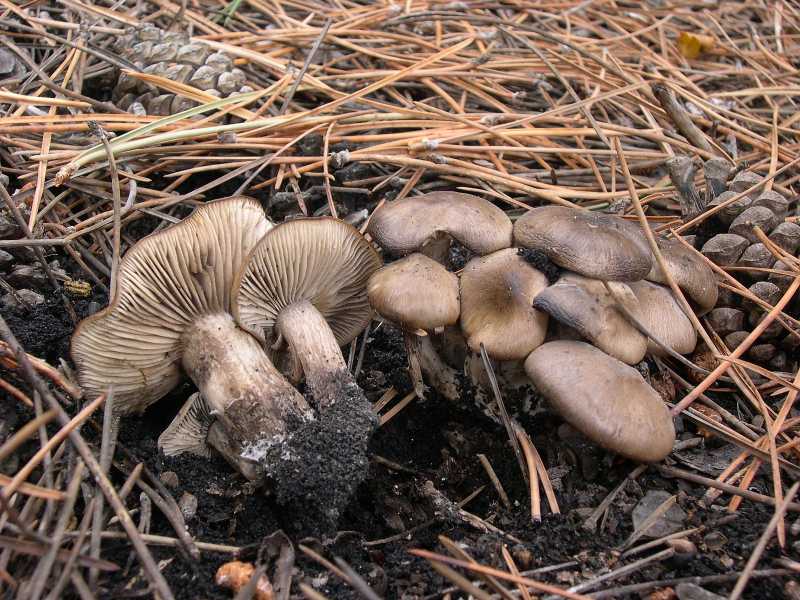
(498, 486)
(755, 556)
(512, 567)
(71, 425)
(501, 406)
(171, 511)
(106, 456)
(681, 118)
(44, 567)
(312, 53)
(531, 583)
(622, 571)
(12, 207)
(24, 432)
(533, 473)
(591, 521)
(459, 552)
(112, 288)
(731, 489)
(79, 536)
(356, 580)
(628, 590)
(163, 540)
(148, 564)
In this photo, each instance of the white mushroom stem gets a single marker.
(253, 402)
(313, 343)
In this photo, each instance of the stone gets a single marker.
(690, 591)
(670, 522)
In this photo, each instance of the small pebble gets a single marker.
(690, 591)
(169, 479)
(188, 506)
(715, 541)
(29, 297)
(669, 522)
(682, 546)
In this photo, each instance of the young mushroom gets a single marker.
(606, 400)
(171, 315)
(422, 223)
(593, 244)
(588, 307)
(419, 295)
(305, 284)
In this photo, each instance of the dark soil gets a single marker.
(391, 512)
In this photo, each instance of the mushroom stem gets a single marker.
(411, 341)
(252, 401)
(314, 345)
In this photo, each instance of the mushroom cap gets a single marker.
(606, 400)
(596, 245)
(586, 305)
(322, 260)
(404, 226)
(415, 292)
(165, 282)
(661, 314)
(689, 271)
(497, 293)
(188, 431)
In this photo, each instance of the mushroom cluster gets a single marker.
(573, 296)
(201, 299)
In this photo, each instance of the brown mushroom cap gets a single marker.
(166, 282)
(404, 226)
(689, 271)
(606, 400)
(586, 305)
(596, 245)
(415, 292)
(321, 260)
(497, 293)
(661, 314)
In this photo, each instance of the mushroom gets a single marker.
(604, 399)
(595, 245)
(304, 284)
(497, 293)
(419, 295)
(689, 271)
(171, 315)
(405, 226)
(587, 306)
(663, 317)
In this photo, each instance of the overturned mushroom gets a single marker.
(408, 225)
(587, 306)
(606, 400)
(595, 245)
(305, 283)
(171, 315)
(497, 293)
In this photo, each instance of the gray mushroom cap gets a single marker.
(606, 400)
(586, 305)
(662, 316)
(497, 293)
(416, 293)
(404, 226)
(689, 271)
(593, 244)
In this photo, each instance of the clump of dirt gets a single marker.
(315, 472)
